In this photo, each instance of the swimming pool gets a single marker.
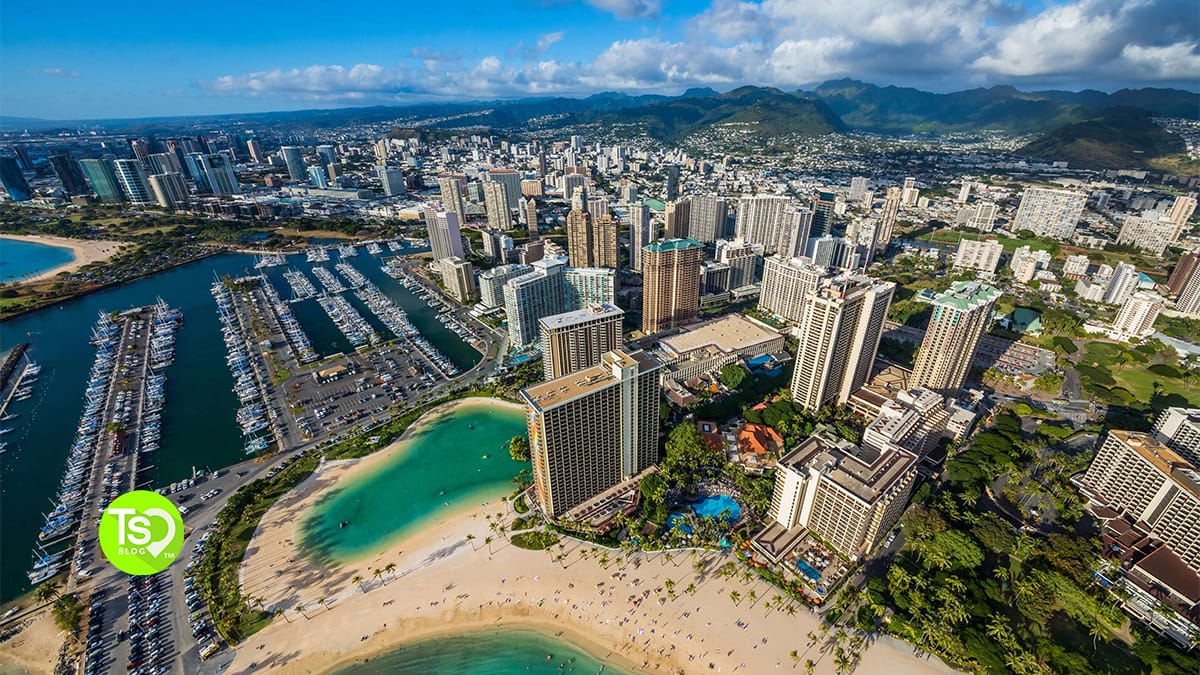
(678, 521)
(807, 570)
(716, 506)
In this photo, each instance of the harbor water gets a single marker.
(199, 428)
(22, 259)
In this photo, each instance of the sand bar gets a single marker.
(86, 251)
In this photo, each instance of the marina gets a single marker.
(396, 320)
(353, 276)
(347, 250)
(302, 288)
(356, 329)
(331, 283)
(316, 254)
(270, 260)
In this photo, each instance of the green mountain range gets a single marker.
(1117, 138)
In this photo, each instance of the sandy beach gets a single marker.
(35, 648)
(86, 251)
(444, 583)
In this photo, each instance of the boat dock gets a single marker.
(17, 386)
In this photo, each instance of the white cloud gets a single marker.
(629, 9)
(941, 43)
(59, 72)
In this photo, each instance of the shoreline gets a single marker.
(445, 581)
(85, 252)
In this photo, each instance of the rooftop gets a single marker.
(732, 332)
(862, 472)
(592, 312)
(558, 391)
(966, 295)
(672, 245)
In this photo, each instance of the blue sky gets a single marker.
(134, 58)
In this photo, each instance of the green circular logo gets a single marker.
(141, 532)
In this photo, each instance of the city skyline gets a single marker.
(572, 49)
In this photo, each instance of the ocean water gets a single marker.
(440, 466)
(499, 652)
(20, 259)
(198, 423)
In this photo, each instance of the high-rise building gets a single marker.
(858, 188)
(593, 429)
(678, 217)
(392, 181)
(887, 219)
(840, 324)
(326, 156)
(1026, 263)
(1179, 429)
(910, 194)
(744, 259)
(786, 285)
(294, 158)
(1121, 285)
(256, 151)
(1076, 266)
(445, 238)
(1183, 270)
(606, 252)
(511, 180)
(573, 183)
(218, 170)
(579, 238)
(981, 256)
(1049, 213)
(13, 180)
(316, 176)
(572, 341)
(551, 287)
(850, 497)
(1148, 482)
(759, 219)
(165, 162)
(170, 190)
(452, 188)
(23, 158)
(714, 278)
(672, 187)
(795, 228)
(1188, 298)
(961, 315)
(1151, 235)
(822, 216)
(495, 200)
(141, 149)
(132, 179)
(836, 252)
(640, 232)
(67, 170)
(103, 177)
(491, 283)
(1181, 211)
(531, 218)
(597, 206)
(964, 192)
(670, 283)
(458, 276)
(981, 216)
(1136, 318)
(707, 218)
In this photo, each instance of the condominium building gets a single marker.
(1075, 266)
(1179, 429)
(392, 181)
(592, 429)
(981, 256)
(132, 178)
(850, 497)
(591, 241)
(452, 189)
(759, 219)
(531, 218)
(69, 175)
(710, 346)
(823, 207)
(103, 177)
(499, 210)
(707, 218)
(1121, 285)
(1151, 235)
(961, 315)
(574, 183)
(910, 194)
(914, 420)
(838, 252)
(458, 276)
(491, 283)
(445, 238)
(1188, 299)
(12, 179)
(786, 283)
(1026, 263)
(1049, 213)
(256, 151)
(1136, 318)
(169, 189)
(1182, 270)
(218, 174)
(641, 232)
(1181, 211)
(510, 179)
(981, 216)
(551, 287)
(1140, 477)
(294, 158)
(795, 230)
(678, 219)
(575, 340)
(888, 218)
(670, 283)
(839, 327)
(858, 188)
(744, 260)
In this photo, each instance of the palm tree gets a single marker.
(471, 538)
(378, 574)
(691, 589)
(48, 591)
(300, 608)
(795, 656)
(752, 597)
(321, 601)
(1098, 631)
(488, 541)
(810, 667)
(359, 580)
(735, 597)
(390, 568)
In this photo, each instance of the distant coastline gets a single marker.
(85, 252)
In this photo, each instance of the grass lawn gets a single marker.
(1140, 382)
(320, 234)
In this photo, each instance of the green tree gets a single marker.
(733, 375)
(518, 447)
